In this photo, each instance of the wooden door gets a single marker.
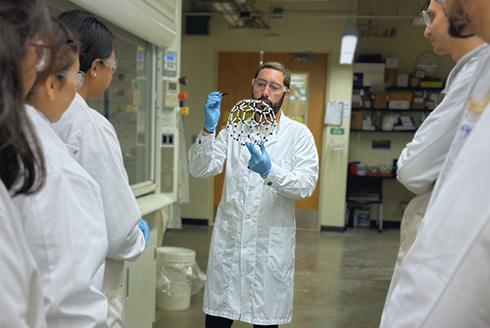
(236, 71)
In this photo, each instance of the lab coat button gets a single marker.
(251, 188)
(269, 183)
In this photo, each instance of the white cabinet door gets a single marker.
(140, 280)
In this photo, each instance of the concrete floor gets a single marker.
(341, 279)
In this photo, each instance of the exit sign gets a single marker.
(337, 131)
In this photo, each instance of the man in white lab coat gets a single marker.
(421, 161)
(444, 277)
(251, 260)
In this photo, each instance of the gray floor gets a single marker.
(341, 279)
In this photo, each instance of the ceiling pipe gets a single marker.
(320, 15)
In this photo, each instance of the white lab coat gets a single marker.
(21, 300)
(444, 280)
(92, 142)
(421, 161)
(251, 261)
(64, 227)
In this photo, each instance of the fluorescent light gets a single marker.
(349, 44)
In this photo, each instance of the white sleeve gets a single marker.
(22, 297)
(207, 155)
(444, 277)
(298, 181)
(101, 156)
(422, 159)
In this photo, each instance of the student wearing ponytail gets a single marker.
(64, 221)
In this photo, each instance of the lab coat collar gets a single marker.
(283, 122)
(79, 99)
(29, 108)
(478, 51)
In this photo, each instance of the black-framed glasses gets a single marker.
(43, 52)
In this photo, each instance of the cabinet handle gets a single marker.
(127, 283)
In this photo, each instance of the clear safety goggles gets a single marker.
(274, 87)
(427, 17)
(76, 78)
(43, 52)
(110, 62)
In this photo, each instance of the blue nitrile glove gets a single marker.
(260, 163)
(145, 229)
(212, 111)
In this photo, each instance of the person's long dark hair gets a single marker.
(22, 168)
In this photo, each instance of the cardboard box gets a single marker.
(391, 76)
(372, 73)
(381, 100)
(408, 96)
(356, 121)
(418, 103)
(399, 104)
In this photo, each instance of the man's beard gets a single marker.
(275, 107)
(459, 21)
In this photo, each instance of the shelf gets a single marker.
(372, 176)
(411, 131)
(393, 110)
(404, 88)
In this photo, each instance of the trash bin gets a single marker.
(178, 277)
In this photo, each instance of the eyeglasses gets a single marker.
(75, 78)
(43, 53)
(110, 62)
(274, 87)
(428, 18)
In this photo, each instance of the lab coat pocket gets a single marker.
(74, 152)
(218, 242)
(281, 248)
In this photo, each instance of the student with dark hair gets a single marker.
(64, 221)
(25, 40)
(93, 142)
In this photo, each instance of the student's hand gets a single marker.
(212, 111)
(260, 161)
(143, 225)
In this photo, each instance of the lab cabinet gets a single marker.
(139, 277)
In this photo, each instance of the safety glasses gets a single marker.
(274, 87)
(43, 52)
(75, 78)
(110, 62)
(427, 17)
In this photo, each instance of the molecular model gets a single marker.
(251, 120)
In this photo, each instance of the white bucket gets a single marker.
(176, 260)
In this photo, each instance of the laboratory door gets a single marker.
(306, 105)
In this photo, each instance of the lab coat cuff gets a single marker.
(205, 140)
(275, 175)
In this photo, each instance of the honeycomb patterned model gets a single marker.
(251, 120)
